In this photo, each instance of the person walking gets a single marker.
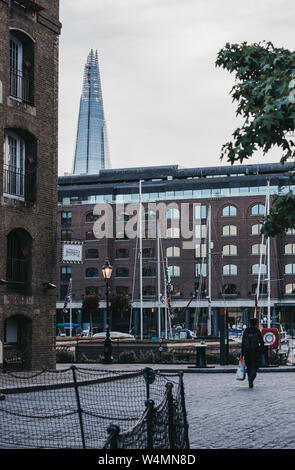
(252, 349)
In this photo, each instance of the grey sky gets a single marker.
(165, 102)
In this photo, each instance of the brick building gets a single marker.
(29, 36)
(236, 196)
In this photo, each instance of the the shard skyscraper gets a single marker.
(92, 151)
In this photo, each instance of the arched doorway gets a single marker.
(18, 339)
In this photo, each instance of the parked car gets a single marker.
(114, 335)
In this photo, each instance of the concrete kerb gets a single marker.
(214, 369)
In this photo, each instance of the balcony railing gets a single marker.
(21, 86)
(17, 271)
(19, 183)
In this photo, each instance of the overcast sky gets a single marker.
(165, 102)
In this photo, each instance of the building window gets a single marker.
(229, 289)
(172, 213)
(290, 289)
(91, 290)
(65, 273)
(258, 209)
(230, 270)
(200, 269)
(200, 231)
(290, 249)
(255, 269)
(262, 288)
(290, 231)
(19, 262)
(122, 272)
(91, 272)
(90, 235)
(200, 211)
(173, 232)
(258, 249)
(148, 252)
(66, 219)
(150, 215)
(21, 84)
(90, 217)
(174, 271)
(173, 251)
(148, 271)
(200, 250)
(122, 253)
(63, 291)
(20, 166)
(91, 253)
(175, 290)
(229, 211)
(229, 250)
(148, 291)
(290, 268)
(229, 230)
(66, 234)
(255, 229)
(122, 290)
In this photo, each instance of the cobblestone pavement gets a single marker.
(225, 413)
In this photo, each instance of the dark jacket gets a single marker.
(260, 343)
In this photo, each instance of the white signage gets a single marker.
(72, 252)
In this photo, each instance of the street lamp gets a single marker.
(107, 272)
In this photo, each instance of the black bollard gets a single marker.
(201, 355)
(264, 357)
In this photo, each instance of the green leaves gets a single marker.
(263, 74)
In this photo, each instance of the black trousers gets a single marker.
(252, 361)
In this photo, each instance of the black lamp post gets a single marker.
(107, 272)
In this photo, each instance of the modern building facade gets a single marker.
(29, 35)
(92, 149)
(212, 267)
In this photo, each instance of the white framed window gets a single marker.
(230, 270)
(200, 269)
(14, 166)
(290, 268)
(200, 250)
(174, 271)
(173, 232)
(290, 249)
(258, 209)
(258, 249)
(200, 211)
(200, 231)
(229, 230)
(229, 250)
(290, 289)
(229, 211)
(173, 251)
(255, 229)
(255, 269)
(172, 213)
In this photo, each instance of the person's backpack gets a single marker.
(251, 342)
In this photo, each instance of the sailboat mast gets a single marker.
(209, 272)
(159, 280)
(140, 258)
(268, 263)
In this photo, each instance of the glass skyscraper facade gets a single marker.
(92, 151)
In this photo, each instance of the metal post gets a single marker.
(171, 427)
(186, 437)
(79, 406)
(107, 342)
(223, 337)
(150, 423)
(113, 431)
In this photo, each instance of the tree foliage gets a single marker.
(264, 92)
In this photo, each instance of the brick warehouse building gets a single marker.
(29, 36)
(237, 198)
